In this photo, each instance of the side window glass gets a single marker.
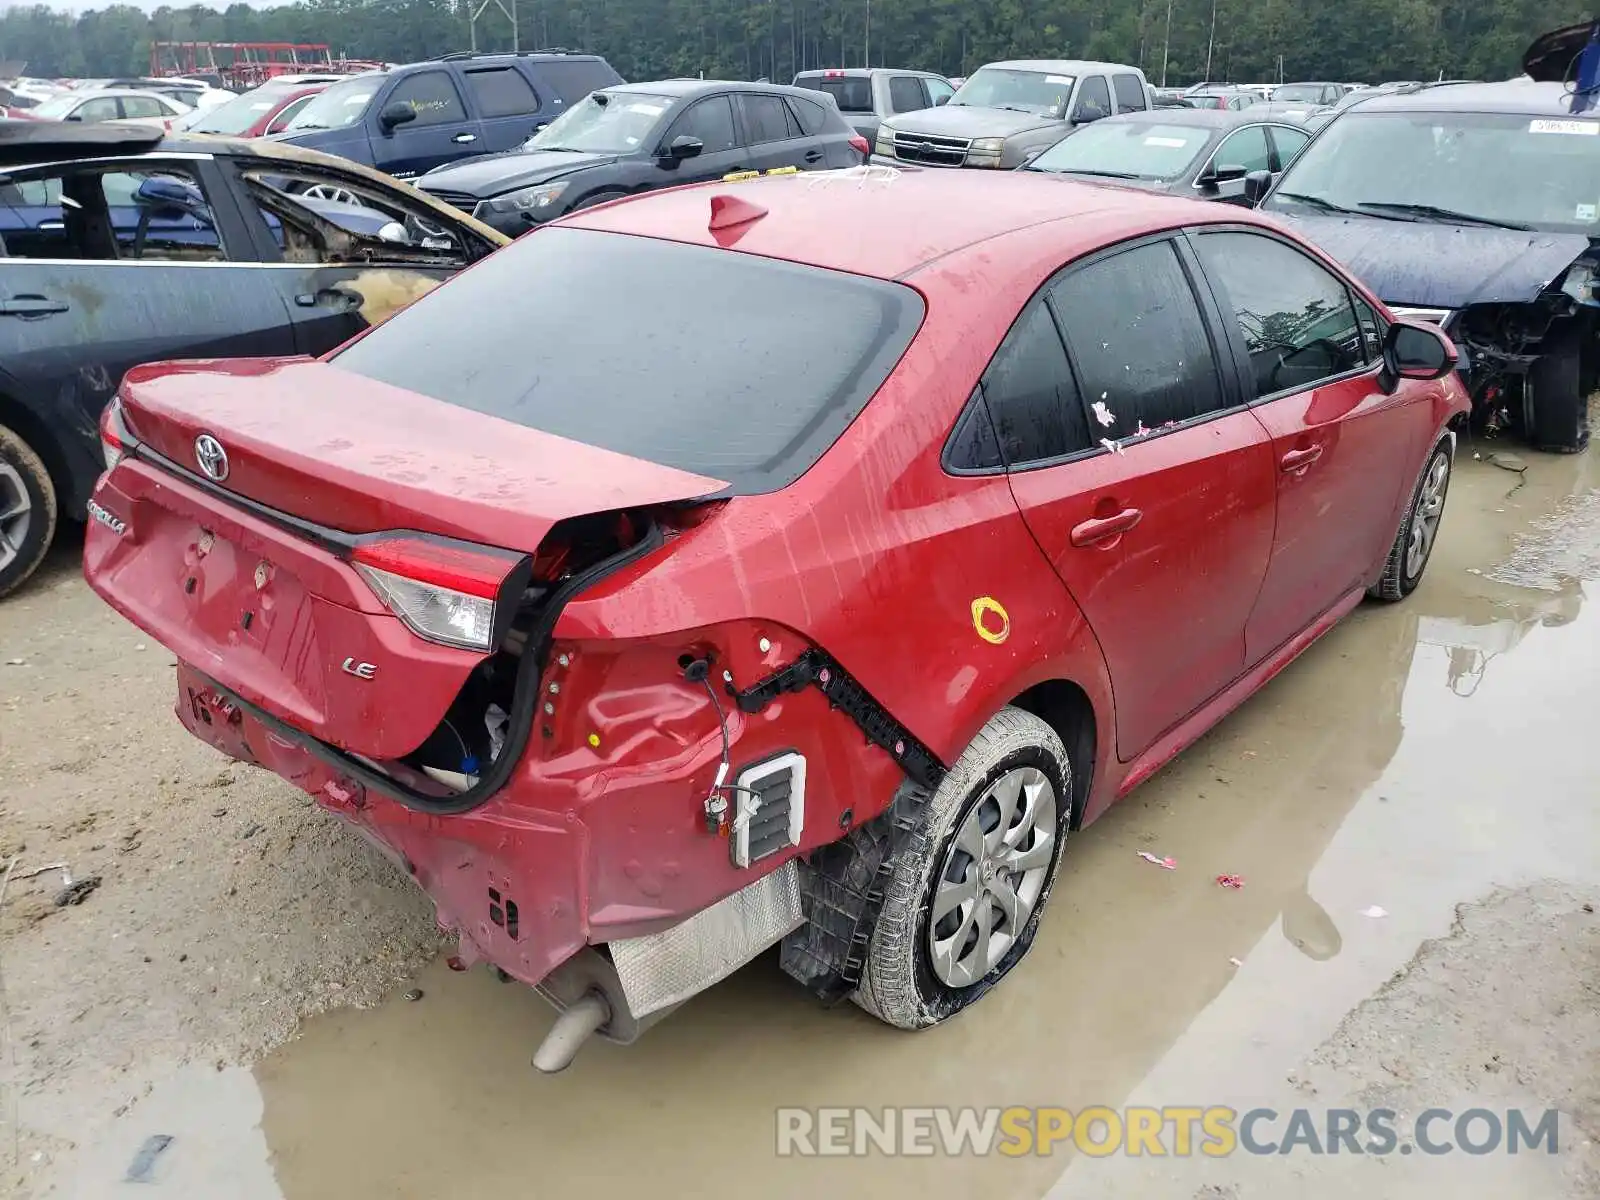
(573, 79)
(289, 112)
(709, 120)
(764, 119)
(1032, 398)
(938, 91)
(1243, 152)
(142, 107)
(811, 115)
(1094, 99)
(1130, 93)
(1299, 327)
(103, 108)
(160, 214)
(1289, 143)
(325, 218)
(502, 92)
(1372, 329)
(1138, 340)
(905, 94)
(432, 95)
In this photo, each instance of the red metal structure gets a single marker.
(248, 64)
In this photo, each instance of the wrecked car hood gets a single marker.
(492, 174)
(971, 121)
(1443, 266)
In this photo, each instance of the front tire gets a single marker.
(1419, 531)
(968, 887)
(27, 511)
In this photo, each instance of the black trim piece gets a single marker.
(842, 889)
(336, 540)
(524, 701)
(919, 763)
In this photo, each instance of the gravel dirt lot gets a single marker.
(1434, 759)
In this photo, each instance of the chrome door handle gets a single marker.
(461, 139)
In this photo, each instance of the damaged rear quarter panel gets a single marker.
(877, 556)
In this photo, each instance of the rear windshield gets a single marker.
(724, 364)
(853, 94)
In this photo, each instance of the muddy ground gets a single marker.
(237, 979)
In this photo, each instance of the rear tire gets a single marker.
(988, 871)
(27, 511)
(1419, 531)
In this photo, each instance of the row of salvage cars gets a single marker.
(689, 578)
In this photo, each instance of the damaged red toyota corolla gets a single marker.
(827, 554)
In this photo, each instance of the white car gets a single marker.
(123, 105)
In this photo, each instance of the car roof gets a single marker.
(695, 87)
(50, 141)
(1308, 83)
(889, 225)
(1062, 66)
(1209, 118)
(1519, 97)
(864, 72)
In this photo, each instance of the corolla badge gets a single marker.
(213, 459)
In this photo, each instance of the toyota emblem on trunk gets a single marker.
(213, 459)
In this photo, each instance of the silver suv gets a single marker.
(1007, 111)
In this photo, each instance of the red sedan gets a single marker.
(796, 560)
(260, 111)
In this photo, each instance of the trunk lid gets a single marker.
(349, 453)
(279, 614)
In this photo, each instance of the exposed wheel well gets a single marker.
(26, 425)
(1065, 707)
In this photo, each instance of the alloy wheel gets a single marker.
(16, 514)
(1425, 521)
(992, 876)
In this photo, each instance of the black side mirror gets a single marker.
(75, 117)
(396, 114)
(1227, 174)
(683, 146)
(1256, 186)
(1416, 351)
(1085, 118)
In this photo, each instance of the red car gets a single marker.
(260, 111)
(790, 560)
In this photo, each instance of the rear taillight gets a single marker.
(449, 592)
(115, 440)
(861, 144)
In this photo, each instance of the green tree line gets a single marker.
(1242, 40)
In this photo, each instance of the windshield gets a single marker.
(1475, 164)
(1025, 91)
(237, 115)
(750, 383)
(1302, 92)
(1127, 150)
(603, 123)
(57, 109)
(340, 105)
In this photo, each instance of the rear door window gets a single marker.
(906, 94)
(1138, 341)
(1033, 401)
(735, 385)
(765, 119)
(502, 92)
(1130, 93)
(574, 79)
(1296, 318)
(813, 117)
(432, 96)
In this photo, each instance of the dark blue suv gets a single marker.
(422, 115)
